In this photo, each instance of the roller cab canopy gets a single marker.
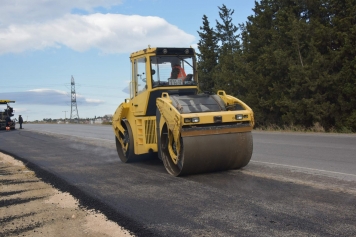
(4, 102)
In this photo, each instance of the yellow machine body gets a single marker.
(166, 116)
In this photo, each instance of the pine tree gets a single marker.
(207, 56)
(226, 74)
(265, 62)
(273, 48)
(296, 63)
(342, 69)
(226, 30)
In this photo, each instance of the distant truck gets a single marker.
(8, 112)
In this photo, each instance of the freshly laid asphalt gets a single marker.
(292, 190)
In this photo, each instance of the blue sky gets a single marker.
(45, 42)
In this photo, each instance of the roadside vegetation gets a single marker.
(107, 123)
(293, 62)
(298, 128)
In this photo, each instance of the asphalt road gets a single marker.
(332, 154)
(295, 185)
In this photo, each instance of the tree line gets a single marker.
(293, 62)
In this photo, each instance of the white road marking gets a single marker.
(299, 167)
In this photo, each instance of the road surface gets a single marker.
(333, 154)
(295, 185)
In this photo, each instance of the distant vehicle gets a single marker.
(8, 112)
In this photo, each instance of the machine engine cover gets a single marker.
(198, 103)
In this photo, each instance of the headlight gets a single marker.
(239, 116)
(191, 120)
(195, 120)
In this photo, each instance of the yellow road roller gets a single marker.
(167, 117)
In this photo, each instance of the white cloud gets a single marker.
(94, 101)
(44, 90)
(41, 24)
(19, 111)
(110, 33)
(24, 11)
(48, 97)
(126, 90)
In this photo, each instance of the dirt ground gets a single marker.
(31, 207)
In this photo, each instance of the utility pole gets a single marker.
(65, 115)
(73, 107)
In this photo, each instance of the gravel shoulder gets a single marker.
(31, 207)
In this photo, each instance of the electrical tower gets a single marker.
(73, 107)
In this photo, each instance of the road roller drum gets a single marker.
(200, 154)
